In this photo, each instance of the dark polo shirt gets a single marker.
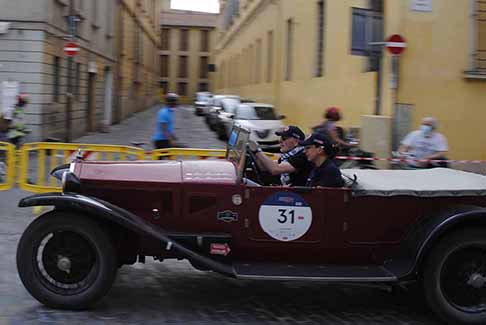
(326, 175)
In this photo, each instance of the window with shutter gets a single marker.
(165, 36)
(182, 66)
(479, 55)
(205, 41)
(203, 67)
(184, 40)
(367, 28)
(164, 66)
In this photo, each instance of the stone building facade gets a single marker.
(187, 41)
(31, 53)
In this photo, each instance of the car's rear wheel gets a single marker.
(454, 277)
(66, 261)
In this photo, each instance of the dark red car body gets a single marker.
(202, 211)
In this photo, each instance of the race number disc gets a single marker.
(285, 216)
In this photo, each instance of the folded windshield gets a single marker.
(236, 149)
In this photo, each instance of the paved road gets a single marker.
(173, 292)
(190, 130)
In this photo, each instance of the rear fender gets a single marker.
(407, 261)
(122, 217)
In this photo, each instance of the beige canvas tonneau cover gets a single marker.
(424, 183)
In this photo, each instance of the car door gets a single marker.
(293, 225)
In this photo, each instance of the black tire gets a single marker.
(84, 269)
(452, 277)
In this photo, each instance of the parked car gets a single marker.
(202, 103)
(391, 227)
(261, 119)
(215, 107)
(227, 111)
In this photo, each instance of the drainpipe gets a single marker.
(278, 52)
(69, 95)
(118, 70)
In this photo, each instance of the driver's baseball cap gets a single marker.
(291, 131)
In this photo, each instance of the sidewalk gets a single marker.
(190, 130)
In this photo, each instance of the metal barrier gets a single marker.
(186, 153)
(7, 166)
(38, 159)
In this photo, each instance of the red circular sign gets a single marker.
(396, 44)
(71, 49)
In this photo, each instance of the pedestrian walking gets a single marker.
(164, 130)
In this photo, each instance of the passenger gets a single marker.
(320, 151)
(331, 130)
(164, 130)
(292, 166)
(425, 144)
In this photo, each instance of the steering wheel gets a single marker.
(252, 161)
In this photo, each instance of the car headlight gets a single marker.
(70, 183)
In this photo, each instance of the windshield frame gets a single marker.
(236, 148)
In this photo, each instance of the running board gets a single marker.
(325, 273)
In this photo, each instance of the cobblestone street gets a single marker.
(190, 130)
(173, 292)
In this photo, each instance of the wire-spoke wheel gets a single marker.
(454, 277)
(66, 261)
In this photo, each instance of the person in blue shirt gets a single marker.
(164, 129)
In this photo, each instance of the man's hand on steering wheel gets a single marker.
(253, 149)
(253, 146)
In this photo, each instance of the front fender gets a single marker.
(406, 263)
(122, 217)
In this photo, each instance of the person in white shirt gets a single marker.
(425, 144)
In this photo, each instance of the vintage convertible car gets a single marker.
(389, 227)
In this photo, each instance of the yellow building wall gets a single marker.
(304, 98)
(431, 68)
(432, 73)
(137, 83)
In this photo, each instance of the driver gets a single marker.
(292, 166)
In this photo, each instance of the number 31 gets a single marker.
(284, 216)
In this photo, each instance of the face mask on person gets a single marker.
(426, 129)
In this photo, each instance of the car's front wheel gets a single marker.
(454, 277)
(66, 260)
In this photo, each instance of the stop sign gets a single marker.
(71, 49)
(396, 44)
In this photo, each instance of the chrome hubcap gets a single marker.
(64, 264)
(476, 280)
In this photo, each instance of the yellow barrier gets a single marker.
(7, 166)
(177, 153)
(38, 159)
(191, 153)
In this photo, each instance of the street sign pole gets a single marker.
(396, 44)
